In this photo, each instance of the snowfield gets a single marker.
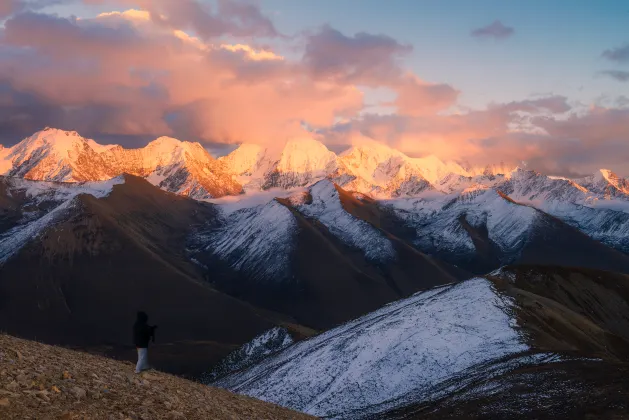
(408, 347)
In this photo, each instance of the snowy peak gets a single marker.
(245, 160)
(607, 184)
(54, 155)
(306, 156)
(177, 166)
(612, 179)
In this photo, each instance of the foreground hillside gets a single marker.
(38, 381)
(522, 342)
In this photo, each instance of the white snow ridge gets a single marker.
(407, 347)
(257, 241)
(327, 208)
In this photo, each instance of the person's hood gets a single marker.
(142, 318)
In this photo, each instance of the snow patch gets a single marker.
(267, 343)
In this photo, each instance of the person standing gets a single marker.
(142, 334)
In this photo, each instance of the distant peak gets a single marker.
(607, 174)
(165, 140)
(304, 142)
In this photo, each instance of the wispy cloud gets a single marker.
(621, 76)
(496, 30)
(10, 7)
(618, 54)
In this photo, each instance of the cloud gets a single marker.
(11, 7)
(235, 18)
(496, 30)
(553, 103)
(364, 58)
(133, 75)
(121, 74)
(563, 142)
(619, 54)
(416, 97)
(621, 76)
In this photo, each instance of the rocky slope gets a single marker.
(55, 155)
(445, 349)
(45, 382)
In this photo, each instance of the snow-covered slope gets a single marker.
(404, 350)
(265, 344)
(440, 220)
(256, 241)
(43, 204)
(181, 167)
(326, 207)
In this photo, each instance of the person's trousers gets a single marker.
(143, 360)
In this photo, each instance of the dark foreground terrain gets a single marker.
(38, 381)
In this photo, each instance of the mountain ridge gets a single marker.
(55, 155)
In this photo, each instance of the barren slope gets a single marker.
(38, 381)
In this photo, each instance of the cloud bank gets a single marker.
(226, 75)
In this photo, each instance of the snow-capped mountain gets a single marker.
(372, 169)
(402, 351)
(456, 346)
(35, 206)
(308, 255)
(55, 155)
(451, 207)
(447, 223)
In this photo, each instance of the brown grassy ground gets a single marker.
(38, 381)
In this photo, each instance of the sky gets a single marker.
(539, 82)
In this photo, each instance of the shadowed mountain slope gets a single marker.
(86, 275)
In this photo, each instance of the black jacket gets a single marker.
(142, 332)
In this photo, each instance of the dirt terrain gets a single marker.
(38, 381)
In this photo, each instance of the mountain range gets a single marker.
(266, 266)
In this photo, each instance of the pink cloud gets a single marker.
(157, 72)
(364, 58)
(416, 97)
(143, 78)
